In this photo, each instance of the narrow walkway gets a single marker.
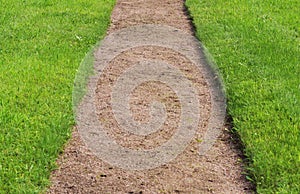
(167, 67)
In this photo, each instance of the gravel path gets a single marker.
(151, 80)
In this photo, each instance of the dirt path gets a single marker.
(217, 171)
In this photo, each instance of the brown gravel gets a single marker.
(218, 171)
(147, 93)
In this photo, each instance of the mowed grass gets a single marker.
(256, 45)
(41, 46)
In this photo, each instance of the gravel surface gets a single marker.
(217, 170)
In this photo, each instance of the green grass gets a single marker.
(41, 46)
(256, 45)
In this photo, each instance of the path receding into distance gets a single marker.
(153, 117)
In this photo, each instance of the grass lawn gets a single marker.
(256, 45)
(41, 46)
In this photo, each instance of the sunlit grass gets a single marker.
(41, 46)
(256, 45)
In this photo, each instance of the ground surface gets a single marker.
(218, 171)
